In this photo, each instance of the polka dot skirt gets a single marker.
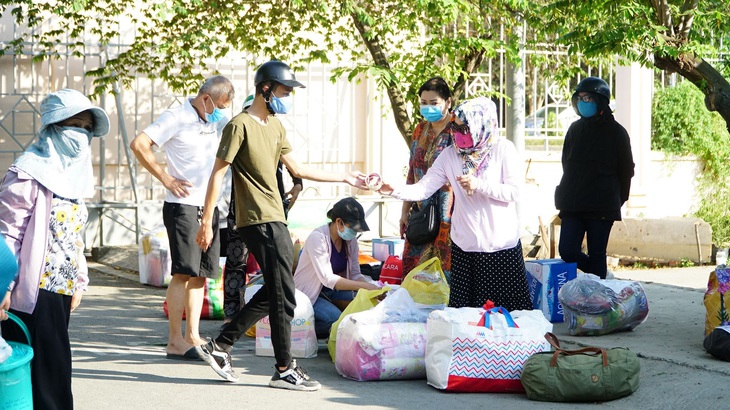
(497, 276)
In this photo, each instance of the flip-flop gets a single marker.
(194, 353)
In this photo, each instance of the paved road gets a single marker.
(118, 337)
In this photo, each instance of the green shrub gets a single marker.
(681, 125)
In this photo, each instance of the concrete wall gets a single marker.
(662, 240)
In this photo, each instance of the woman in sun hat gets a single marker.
(42, 214)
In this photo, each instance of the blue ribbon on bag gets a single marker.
(486, 322)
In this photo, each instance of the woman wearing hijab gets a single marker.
(42, 214)
(484, 170)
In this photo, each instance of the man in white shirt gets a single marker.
(189, 134)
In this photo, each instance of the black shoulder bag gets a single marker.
(423, 224)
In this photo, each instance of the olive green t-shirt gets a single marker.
(253, 150)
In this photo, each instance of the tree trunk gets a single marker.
(397, 102)
(702, 74)
(472, 61)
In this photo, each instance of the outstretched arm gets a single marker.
(355, 178)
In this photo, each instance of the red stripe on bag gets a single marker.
(471, 385)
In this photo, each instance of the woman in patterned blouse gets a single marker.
(430, 138)
(42, 214)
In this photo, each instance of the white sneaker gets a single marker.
(294, 378)
(219, 360)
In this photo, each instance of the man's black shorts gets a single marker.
(182, 224)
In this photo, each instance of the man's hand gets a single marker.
(204, 236)
(293, 194)
(356, 179)
(76, 299)
(178, 187)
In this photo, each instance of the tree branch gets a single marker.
(664, 17)
(703, 75)
(687, 17)
(397, 102)
(472, 61)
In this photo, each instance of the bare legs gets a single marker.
(184, 293)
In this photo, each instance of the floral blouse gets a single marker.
(68, 217)
(425, 148)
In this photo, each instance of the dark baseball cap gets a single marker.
(350, 211)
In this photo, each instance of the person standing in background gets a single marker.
(597, 169)
(189, 134)
(430, 138)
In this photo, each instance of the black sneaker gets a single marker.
(219, 360)
(294, 378)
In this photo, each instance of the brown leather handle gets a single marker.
(553, 340)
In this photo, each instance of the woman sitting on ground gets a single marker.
(328, 269)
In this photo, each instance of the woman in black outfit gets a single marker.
(597, 170)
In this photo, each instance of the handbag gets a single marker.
(482, 350)
(590, 374)
(423, 224)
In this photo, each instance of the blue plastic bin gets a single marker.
(16, 392)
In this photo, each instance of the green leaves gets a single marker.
(682, 126)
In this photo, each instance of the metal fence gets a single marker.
(327, 127)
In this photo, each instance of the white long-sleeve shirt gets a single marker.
(487, 220)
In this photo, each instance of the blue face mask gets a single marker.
(432, 113)
(280, 105)
(587, 109)
(348, 234)
(72, 141)
(215, 116)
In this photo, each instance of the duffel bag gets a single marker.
(590, 374)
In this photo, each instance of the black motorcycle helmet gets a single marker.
(276, 71)
(595, 86)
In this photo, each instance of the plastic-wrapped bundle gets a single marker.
(387, 342)
(594, 306)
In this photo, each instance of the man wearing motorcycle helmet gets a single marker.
(253, 142)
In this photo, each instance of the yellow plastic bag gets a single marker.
(717, 299)
(364, 300)
(426, 283)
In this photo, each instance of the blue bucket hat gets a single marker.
(66, 103)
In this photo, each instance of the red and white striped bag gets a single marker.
(482, 350)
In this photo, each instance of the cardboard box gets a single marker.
(544, 279)
(384, 247)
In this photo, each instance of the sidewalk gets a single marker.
(118, 338)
